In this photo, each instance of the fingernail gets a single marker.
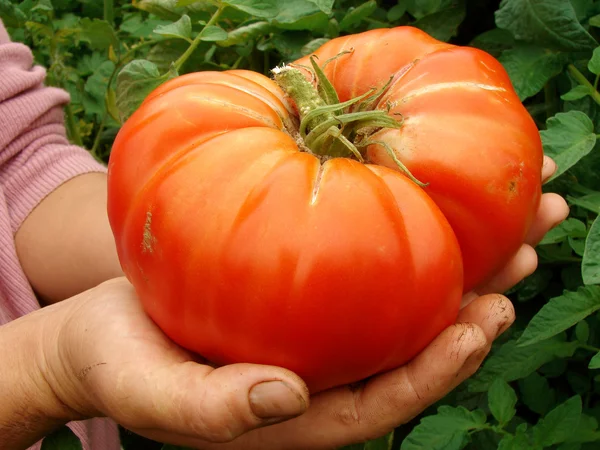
(272, 399)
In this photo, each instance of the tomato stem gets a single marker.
(330, 128)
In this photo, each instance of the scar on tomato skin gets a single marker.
(148, 240)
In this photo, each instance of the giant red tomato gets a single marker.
(245, 247)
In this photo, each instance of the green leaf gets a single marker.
(594, 63)
(11, 15)
(95, 89)
(558, 425)
(494, 41)
(532, 285)
(313, 45)
(324, 5)
(502, 400)
(257, 8)
(590, 266)
(591, 202)
(570, 227)
(213, 33)
(182, 29)
(568, 138)
(397, 11)
(595, 362)
(515, 442)
(356, 15)
(576, 93)
(246, 33)
(530, 67)
(444, 24)
(99, 34)
(582, 332)
(62, 439)
(300, 15)
(547, 22)
(586, 431)
(511, 362)
(446, 430)
(595, 21)
(421, 8)
(561, 313)
(43, 5)
(536, 393)
(135, 81)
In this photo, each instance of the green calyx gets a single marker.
(330, 128)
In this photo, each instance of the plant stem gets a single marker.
(581, 79)
(183, 58)
(94, 150)
(591, 348)
(72, 126)
(109, 11)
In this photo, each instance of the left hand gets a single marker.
(129, 370)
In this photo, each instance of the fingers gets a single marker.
(520, 266)
(553, 210)
(494, 313)
(212, 405)
(353, 414)
(548, 168)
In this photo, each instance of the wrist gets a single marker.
(31, 407)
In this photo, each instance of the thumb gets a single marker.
(214, 405)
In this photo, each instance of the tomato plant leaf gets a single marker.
(300, 15)
(518, 441)
(536, 393)
(182, 29)
(135, 81)
(421, 8)
(594, 62)
(213, 33)
(511, 362)
(397, 11)
(501, 401)
(444, 24)
(99, 34)
(590, 266)
(246, 33)
(558, 425)
(561, 313)
(550, 22)
(578, 92)
(257, 8)
(62, 439)
(595, 361)
(530, 67)
(568, 138)
(590, 202)
(446, 430)
(571, 227)
(324, 5)
(12, 16)
(582, 332)
(356, 15)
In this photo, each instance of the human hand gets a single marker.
(114, 361)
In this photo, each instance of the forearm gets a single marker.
(65, 245)
(29, 408)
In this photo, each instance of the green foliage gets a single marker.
(539, 386)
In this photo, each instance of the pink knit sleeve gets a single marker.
(35, 154)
